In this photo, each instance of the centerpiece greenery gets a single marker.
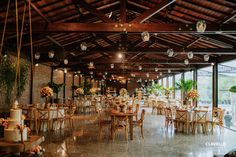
(8, 77)
(56, 87)
(155, 88)
(232, 89)
(185, 86)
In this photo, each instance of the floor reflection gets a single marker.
(83, 141)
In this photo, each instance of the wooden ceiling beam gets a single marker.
(38, 11)
(123, 11)
(161, 28)
(94, 11)
(150, 12)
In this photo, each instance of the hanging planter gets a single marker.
(201, 26)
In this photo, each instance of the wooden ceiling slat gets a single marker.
(123, 11)
(150, 12)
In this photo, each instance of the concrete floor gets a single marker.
(83, 141)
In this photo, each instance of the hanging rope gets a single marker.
(4, 28)
(31, 40)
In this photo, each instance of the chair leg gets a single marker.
(142, 131)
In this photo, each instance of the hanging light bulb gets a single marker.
(91, 73)
(201, 26)
(91, 65)
(65, 61)
(145, 36)
(65, 70)
(51, 54)
(105, 73)
(186, 62)
(170, 52)
(36, 64)
(140, 67)
(147, 74)
(190, 55)
(83, 46)
(160, 73)
(112, 66)
(78, 72)
(206, 58)
(212, 63)
(169, 71)
(120, 55)
(156, 69)
(37, 55)
(157, 76)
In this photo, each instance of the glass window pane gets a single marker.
(177, 92)
(226, 99)
(188, 75)
(170, 81)
(205, 87)
(164, 82)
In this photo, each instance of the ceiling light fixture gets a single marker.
(147, 74)
(170, 52)
(190, 55)
(169, 71)
(160, 73)
(201, 26)
(112, 66)
(51, 54)
(83, 46)
(186, 62)
(65, 61)
(145, 36)
(206, 58)
(91, 65)
(140, 67)
(37, 55)
(120, 55)
(156, 69)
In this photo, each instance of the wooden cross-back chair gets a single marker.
(104, 120)
(169, 117)
(120, 123)
(43, 117)
(200, 118)
(139, 123)
(31, 118)
(182, 119)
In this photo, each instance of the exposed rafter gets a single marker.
(149, 13)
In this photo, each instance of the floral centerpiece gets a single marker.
(79, 91)
(123, 92)
(46, 92)
(93, 90)
(37, 151)
(193, 94)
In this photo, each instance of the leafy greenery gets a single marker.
(154, 88)
(56, 87)
(233, 89)
(185, 85)
(7, 79)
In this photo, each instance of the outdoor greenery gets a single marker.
(154, 88)
(233, 89)
(8, 77)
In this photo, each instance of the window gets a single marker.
(226, 79)
(204, 84)
(164, 82)
(188, 75)
(170, 81)
(178, 92)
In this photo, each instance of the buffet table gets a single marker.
(17, 147)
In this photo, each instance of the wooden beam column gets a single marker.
(73, 83)
(64, 87)
(215, 85)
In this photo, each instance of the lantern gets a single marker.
(145, 36)
(201, 26)
(83, 46)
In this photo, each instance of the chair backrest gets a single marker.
(200, 115)
(60, 113)
(43, 114)
(218, 114)
(182, 115)
(136, 108)
(30, 113)
(169, 112)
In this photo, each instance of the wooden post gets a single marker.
(215, 85)
(64, 87)
(73, 83)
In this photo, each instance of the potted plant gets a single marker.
(56, 89)
(185, 86)
(233, 102)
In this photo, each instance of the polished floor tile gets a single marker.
(83, 141)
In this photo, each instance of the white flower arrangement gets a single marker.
(123, 92)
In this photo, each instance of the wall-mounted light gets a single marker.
(51, 54)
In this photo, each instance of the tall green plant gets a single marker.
(7, 79)
(185, 85)
(56, 87)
